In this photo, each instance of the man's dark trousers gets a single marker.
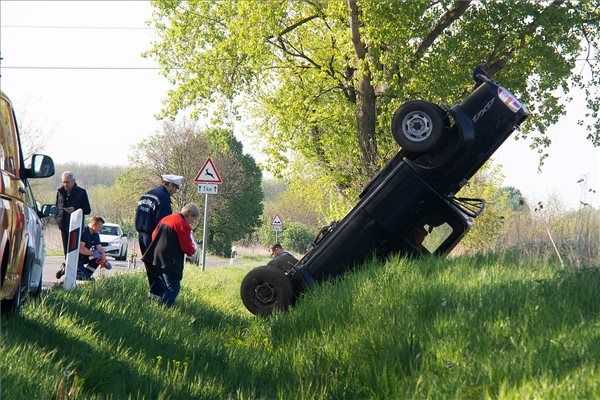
(169, 285)
(64, 235)
(144, 240)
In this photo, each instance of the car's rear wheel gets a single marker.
(418, 126)
(122, 253)
(122, 257)
(265, 290)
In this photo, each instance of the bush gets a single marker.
(296, 237)
(220, 245)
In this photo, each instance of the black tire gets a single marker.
(14, 305)
(265, 290)
(38, 291)
(417, 126)
(123, 257)
(29, 265)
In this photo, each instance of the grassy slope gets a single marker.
(465, 328)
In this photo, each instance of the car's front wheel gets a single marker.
(418, 126)
(265, 290)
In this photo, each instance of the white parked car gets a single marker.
(114, 241)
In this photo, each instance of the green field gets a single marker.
(465, 328)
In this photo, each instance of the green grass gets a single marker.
(467, 328)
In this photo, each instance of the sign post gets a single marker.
(75, 225)
(277, 225)
(208, 180)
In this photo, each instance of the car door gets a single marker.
(12, 190)
(36, 245)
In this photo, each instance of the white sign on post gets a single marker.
(75, 224)
(208, 189)
(208, 180)
(277, 225)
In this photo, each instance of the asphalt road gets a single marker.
(52, 265)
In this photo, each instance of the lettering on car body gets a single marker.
(485, 109)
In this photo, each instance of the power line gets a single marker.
(83, 68)
(128, 68)
(75, 67)
(49, 2)
(79, 27)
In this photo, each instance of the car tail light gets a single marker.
(509, 100)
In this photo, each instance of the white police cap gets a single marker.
(174, 179)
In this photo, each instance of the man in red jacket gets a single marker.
(171, 241)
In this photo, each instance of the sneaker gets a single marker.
(61, 271)
(154, 297)
(107, 266)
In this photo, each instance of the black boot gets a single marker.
(61, 271)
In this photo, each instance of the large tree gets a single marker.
(182, 149)
(325, 75)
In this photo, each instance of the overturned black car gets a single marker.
(410, 207)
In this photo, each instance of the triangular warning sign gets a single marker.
(208, 174)
(277, 220)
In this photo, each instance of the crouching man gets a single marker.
(165, 256)
(281, 259)
(91, 253)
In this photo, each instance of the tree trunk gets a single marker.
(366, 118)
(366, 111)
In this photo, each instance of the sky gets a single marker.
(97, 115)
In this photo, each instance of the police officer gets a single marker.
(152, 207)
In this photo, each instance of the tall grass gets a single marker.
(469, 328)
(551, 234)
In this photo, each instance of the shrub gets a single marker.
(296, 237)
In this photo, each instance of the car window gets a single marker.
(110, 230)
(436, 236)
(9, 150)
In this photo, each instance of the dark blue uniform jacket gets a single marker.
(152, 207)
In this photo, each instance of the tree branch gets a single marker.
(296, 25)
(285, 46)
(453, 14)
(359, 46)
(589, 52)
(291, 50)
(447, 19)
(492, 66)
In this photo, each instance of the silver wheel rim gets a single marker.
(417, 126)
